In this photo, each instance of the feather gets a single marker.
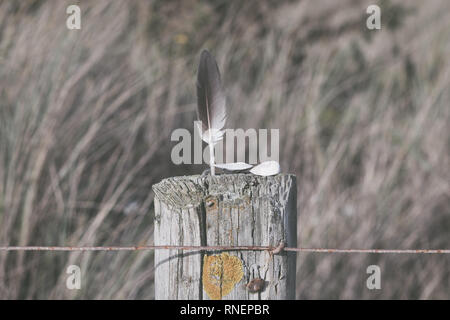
(234, 166)
(267, 168)
(211, 108)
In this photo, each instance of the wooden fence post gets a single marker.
(225, 210)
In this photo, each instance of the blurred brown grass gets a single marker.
(86, 117)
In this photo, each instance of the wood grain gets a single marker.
(231, 209)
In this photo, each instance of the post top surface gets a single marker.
(189, 191)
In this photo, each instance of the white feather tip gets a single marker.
(267, 168)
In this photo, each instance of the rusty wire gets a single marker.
(223, 248)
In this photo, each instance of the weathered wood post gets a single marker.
(225, 210)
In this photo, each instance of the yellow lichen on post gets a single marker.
(220, 274)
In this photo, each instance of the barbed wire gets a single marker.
(223, 248)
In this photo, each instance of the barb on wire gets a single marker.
(223, 248)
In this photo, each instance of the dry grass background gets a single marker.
(86, 117)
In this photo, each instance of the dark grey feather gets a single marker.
(211, 108)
